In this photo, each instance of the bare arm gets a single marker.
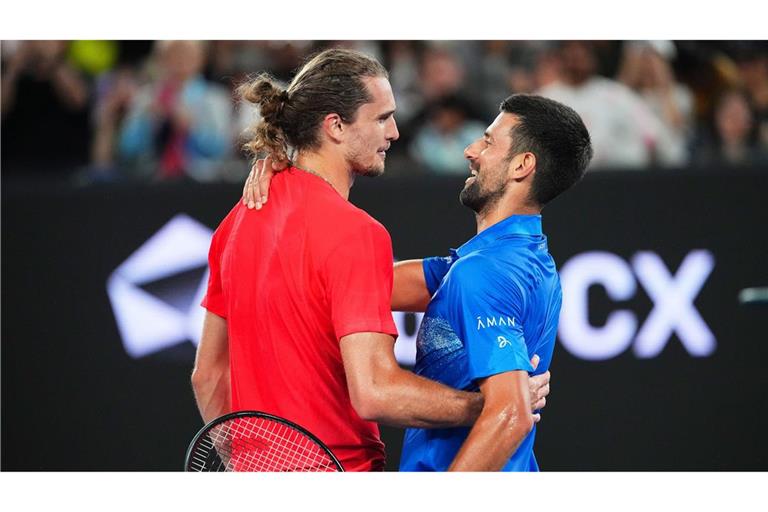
(382, 391)
(409, 292)
(210, 377)
(504, 422)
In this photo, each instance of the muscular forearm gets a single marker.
(492, 441)
(506, 419)
(210, 378)
(407, 400)
(212, 393)
(382, 391)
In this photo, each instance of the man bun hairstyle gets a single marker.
(557, 136)
(329, 82)
(266, 135)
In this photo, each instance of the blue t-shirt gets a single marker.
(495, 302)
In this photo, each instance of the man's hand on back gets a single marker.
(539, 387)
(256, 188)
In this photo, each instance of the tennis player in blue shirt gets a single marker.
(495, 301)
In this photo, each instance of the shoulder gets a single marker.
(341, 219)
(475, 271)
(224, 229)
(516, 272)
(361, 230)
(335, 224)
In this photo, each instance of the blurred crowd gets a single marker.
(121, 111)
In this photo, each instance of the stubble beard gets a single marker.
(478, 199)
(355, 157)
(371, 172)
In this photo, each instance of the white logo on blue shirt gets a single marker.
(503, 342)
(492, 321)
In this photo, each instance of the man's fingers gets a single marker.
(263, 186)
(256, 188)
(250, 190)
(536, 418)
(254, 185)
(264, 178)
(247, 196)
(538, 381)
(543, 391)
(540, 404)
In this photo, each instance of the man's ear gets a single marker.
(522, 166)
(334, 128)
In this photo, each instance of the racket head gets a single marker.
(258, 441)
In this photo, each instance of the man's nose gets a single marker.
(393, 134)
(469, 153)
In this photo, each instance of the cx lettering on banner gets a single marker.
(673, 297)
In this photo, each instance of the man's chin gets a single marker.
(372, 172)
(470, 197)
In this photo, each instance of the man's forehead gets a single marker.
(381, 91)
(502, 125)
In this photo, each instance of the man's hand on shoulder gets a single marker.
(256, 188)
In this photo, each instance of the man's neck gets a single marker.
(333, 170)
(499, 212)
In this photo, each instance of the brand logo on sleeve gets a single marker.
(495, 321)
(503, 342)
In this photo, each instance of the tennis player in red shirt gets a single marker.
(299, 322)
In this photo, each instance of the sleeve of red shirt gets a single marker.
(358, 277)
(215, 297)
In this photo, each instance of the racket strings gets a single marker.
(258, 444)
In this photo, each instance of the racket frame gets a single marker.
(258, 414)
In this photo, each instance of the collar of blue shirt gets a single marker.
(514, 225)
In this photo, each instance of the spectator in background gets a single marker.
(732, 143)
(753, 67)
(501, 67)
(44, 109)
(403, 64)
(646, 69)
(114, 93)
(441, 74)
(625, 133)
(535, 65)
(178, 124)
(439, 144)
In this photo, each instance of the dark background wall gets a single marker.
(73, 399)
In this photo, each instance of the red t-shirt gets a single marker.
(292, 279)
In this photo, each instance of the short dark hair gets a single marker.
(557, 136)
(330, 82)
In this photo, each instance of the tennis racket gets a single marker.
(257, 441)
